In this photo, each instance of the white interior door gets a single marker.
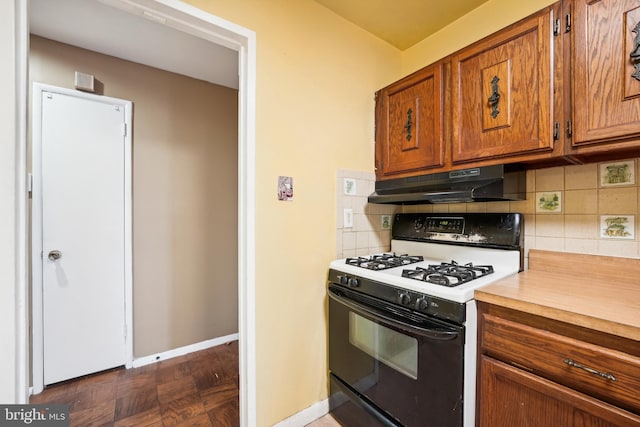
(84, 253)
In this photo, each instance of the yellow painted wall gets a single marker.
(316, 76)
(480, 22)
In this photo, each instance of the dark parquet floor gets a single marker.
(197, 389)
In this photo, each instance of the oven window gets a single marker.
(390, 347)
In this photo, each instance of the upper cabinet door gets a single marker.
(502, 93)
(606, 70)
(409, 124)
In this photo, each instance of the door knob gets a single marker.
(54, 255)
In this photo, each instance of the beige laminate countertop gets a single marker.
(595, 294)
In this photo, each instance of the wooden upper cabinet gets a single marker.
(606, 70)
(502, 93)
(409, 124)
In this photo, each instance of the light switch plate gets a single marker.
(285, 188)
(348, 218)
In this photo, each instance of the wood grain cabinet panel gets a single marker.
(409, 124)
(540, 372)
(560, 86)
(502, 93)
(511, 397)
(606, 72)
(601, 372)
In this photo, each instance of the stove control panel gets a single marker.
(410, 300)
(404, 298)
(431, 305)
(441, 225)
(494, 230)
(349, 281)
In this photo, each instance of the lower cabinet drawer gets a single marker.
(609, 375)
(511, 397)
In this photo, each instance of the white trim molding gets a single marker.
(22, 354)
(181, 351)
(306, 416)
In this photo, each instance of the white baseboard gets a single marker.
(153, 358)
(306, 416)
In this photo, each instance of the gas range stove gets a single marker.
(383, 261)
(447, 286)
(444, 273)
(397, 318)
(448, 256)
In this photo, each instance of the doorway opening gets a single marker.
(211, 29)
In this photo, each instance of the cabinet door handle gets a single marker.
(635, 52)
(575, 364)
(494, 99)
(409, 123)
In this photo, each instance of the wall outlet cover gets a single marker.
(385, 222)
(348, 218)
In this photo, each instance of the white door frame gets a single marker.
(37, 260)
(19, 335)
(194, 21)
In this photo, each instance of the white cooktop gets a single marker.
(504, 262)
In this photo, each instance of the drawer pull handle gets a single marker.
(575, 364)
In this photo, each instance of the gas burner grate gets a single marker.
(448, 273)
(383, 261)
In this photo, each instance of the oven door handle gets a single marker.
(380, 316)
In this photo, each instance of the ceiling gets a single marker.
(144, 39)
(402, 23)
(139, 38)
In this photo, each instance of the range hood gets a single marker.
(483, 184)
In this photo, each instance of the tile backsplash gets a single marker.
(567, 209)
(366, 234)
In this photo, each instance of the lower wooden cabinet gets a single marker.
(539, 372)
(510, 396)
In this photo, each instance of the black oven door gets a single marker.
(390, 366)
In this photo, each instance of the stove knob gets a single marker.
(404, 299)
(343, 280)
(353, 282)
(422, 304)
